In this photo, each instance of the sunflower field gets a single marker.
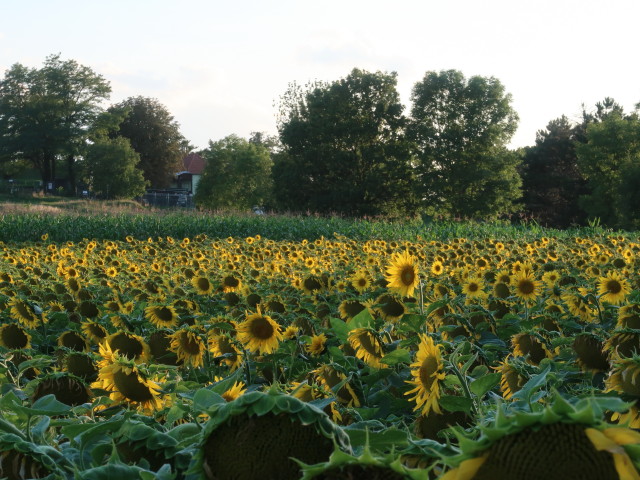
(247, 357)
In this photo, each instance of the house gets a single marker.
(189, 178)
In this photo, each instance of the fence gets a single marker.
(169, 199)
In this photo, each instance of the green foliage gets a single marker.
(237, 175)
(552, 182)
(461, 128)
(155, 135)
(112, 169)
(610, 161)
(46, 113)
(344, 148)
(107, 221)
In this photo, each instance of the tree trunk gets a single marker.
(71, 175)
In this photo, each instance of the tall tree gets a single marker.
(461, 128)
(552, 182)
(46, 114)
(155, 135)
(111, 169)
(344, 148)
(610, 161)
(237, 174)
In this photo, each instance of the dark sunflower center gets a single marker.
(554, 452)
(13, 336)
(501, 290)
(128, 346)
(526, 287)
(473, 287)
(393, 308)
(231, 281)
(253, 448)
(408, 275)
(73, 341)
(613, 286)
(203, 284)
(190, 344)
(428, 370)
(24, 311)
(164, 314)
(261, 328)
(366, 343)
(129, 385)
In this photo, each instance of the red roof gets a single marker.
(194, 164)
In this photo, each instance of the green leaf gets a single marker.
(482, 385)
(399, 355)
(361, 320)
(48, 405)
(382, 440)
(204, 399)
(340, 328)
(532, 384)
(456, 404)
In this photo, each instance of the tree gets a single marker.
(461, 128)
(45, 114)
(156, 136)
(552, 182)
(112, 169)
(610, 161)
(344, 148)
(237, 174)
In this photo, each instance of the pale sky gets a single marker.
(221, 66)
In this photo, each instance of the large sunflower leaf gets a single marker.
(482, 385)
(399, 355)
(204, 399)
(340, 328)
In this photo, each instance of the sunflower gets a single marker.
(129, 345)
(260, 333)
(94, 331)
(316, 345)
(361, 281)
(589, 353)
(526, 286)
(231, 283)
(613, 288)
(513, 376)
(21, 311)
(237, 389)
(554, 451)
(473, 288)
(73, 341)
(428, 372)
(437, 268)
(624, 379)
(531, 346)
(222, 346)
(350, 308)
(14, 337)
(390, 308)
(403, 275)
(66, 387)
(367, 346)
(202, 285)
(329, 378)
(188, 346)
(128, 384)
(162, 316)
(290, 332)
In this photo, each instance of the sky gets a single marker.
(220, 67)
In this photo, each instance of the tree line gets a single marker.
(345, 147)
